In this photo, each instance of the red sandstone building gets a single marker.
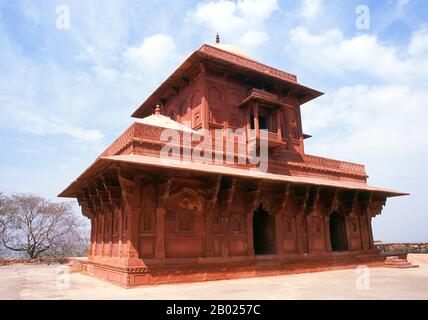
(158, 222)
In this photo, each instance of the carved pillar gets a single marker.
(213, 189)
(348, 233)
(253, 197)
(250, 241)
(281, 201)
(301, 223)
(209, 233)
(121, 230)
(101, 234)
(164, 188)
(371, 241)
(331, 199)
(278, 234)
(94, 236)
(365, 204)
(248, 123)
(302, 233)
(225, 229)
(327, 232)
(134, 231)
(256, 119)
(278, 124)
(227, 195)
(132, 211)
(110, 240)
(160, 233)
(205, 107)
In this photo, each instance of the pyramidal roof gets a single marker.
(158, 120)
(232, 49)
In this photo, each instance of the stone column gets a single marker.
(205, 107)
(297, 234)
(225, 243)
(209, 233)
(133, 231)
(348, 233)
(110, 243)
(94, 231)
(364, 232)
(160, 233)
(278, 234)
(278, 124)
(120, 230)
(250, 239)
(102, 224)
(371, 242)
(327, 233)
(256, 119)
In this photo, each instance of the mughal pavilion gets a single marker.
(156, 221)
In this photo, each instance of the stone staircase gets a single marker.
(397, 262)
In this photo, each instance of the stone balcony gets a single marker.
(273, 138)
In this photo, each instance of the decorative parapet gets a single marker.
(144, 133)
(248, 63)
(135, 131)
(119, 143)
(343, 166)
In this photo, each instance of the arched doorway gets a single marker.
(339, 240)
(263, 232)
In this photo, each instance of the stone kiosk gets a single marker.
(157, 222)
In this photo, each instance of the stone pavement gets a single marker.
(47, 282)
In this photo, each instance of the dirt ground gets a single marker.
(54, 282)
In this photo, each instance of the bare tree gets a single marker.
(38, 227)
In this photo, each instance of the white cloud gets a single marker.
(254, 38)
(18, 118)
(310, 8)
(402, 3)
(242, 21)
(380, 118)
(419, 43)
(105, 73)
(154, 52)
(361, 53)
(259, 10)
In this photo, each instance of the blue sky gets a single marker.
(65, 94)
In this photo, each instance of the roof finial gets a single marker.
(157, 109)
(217, 38)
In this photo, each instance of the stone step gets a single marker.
(396, 262)
(401, 266)
(393, 258)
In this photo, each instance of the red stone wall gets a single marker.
(193, 230)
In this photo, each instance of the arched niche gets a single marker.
(235, 115)
(214, 98)
(186, 198)
(148, 205)
(182, 108)
(233, 101)
(215, 105)
(196, 99)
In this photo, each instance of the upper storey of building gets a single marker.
(220, 86)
